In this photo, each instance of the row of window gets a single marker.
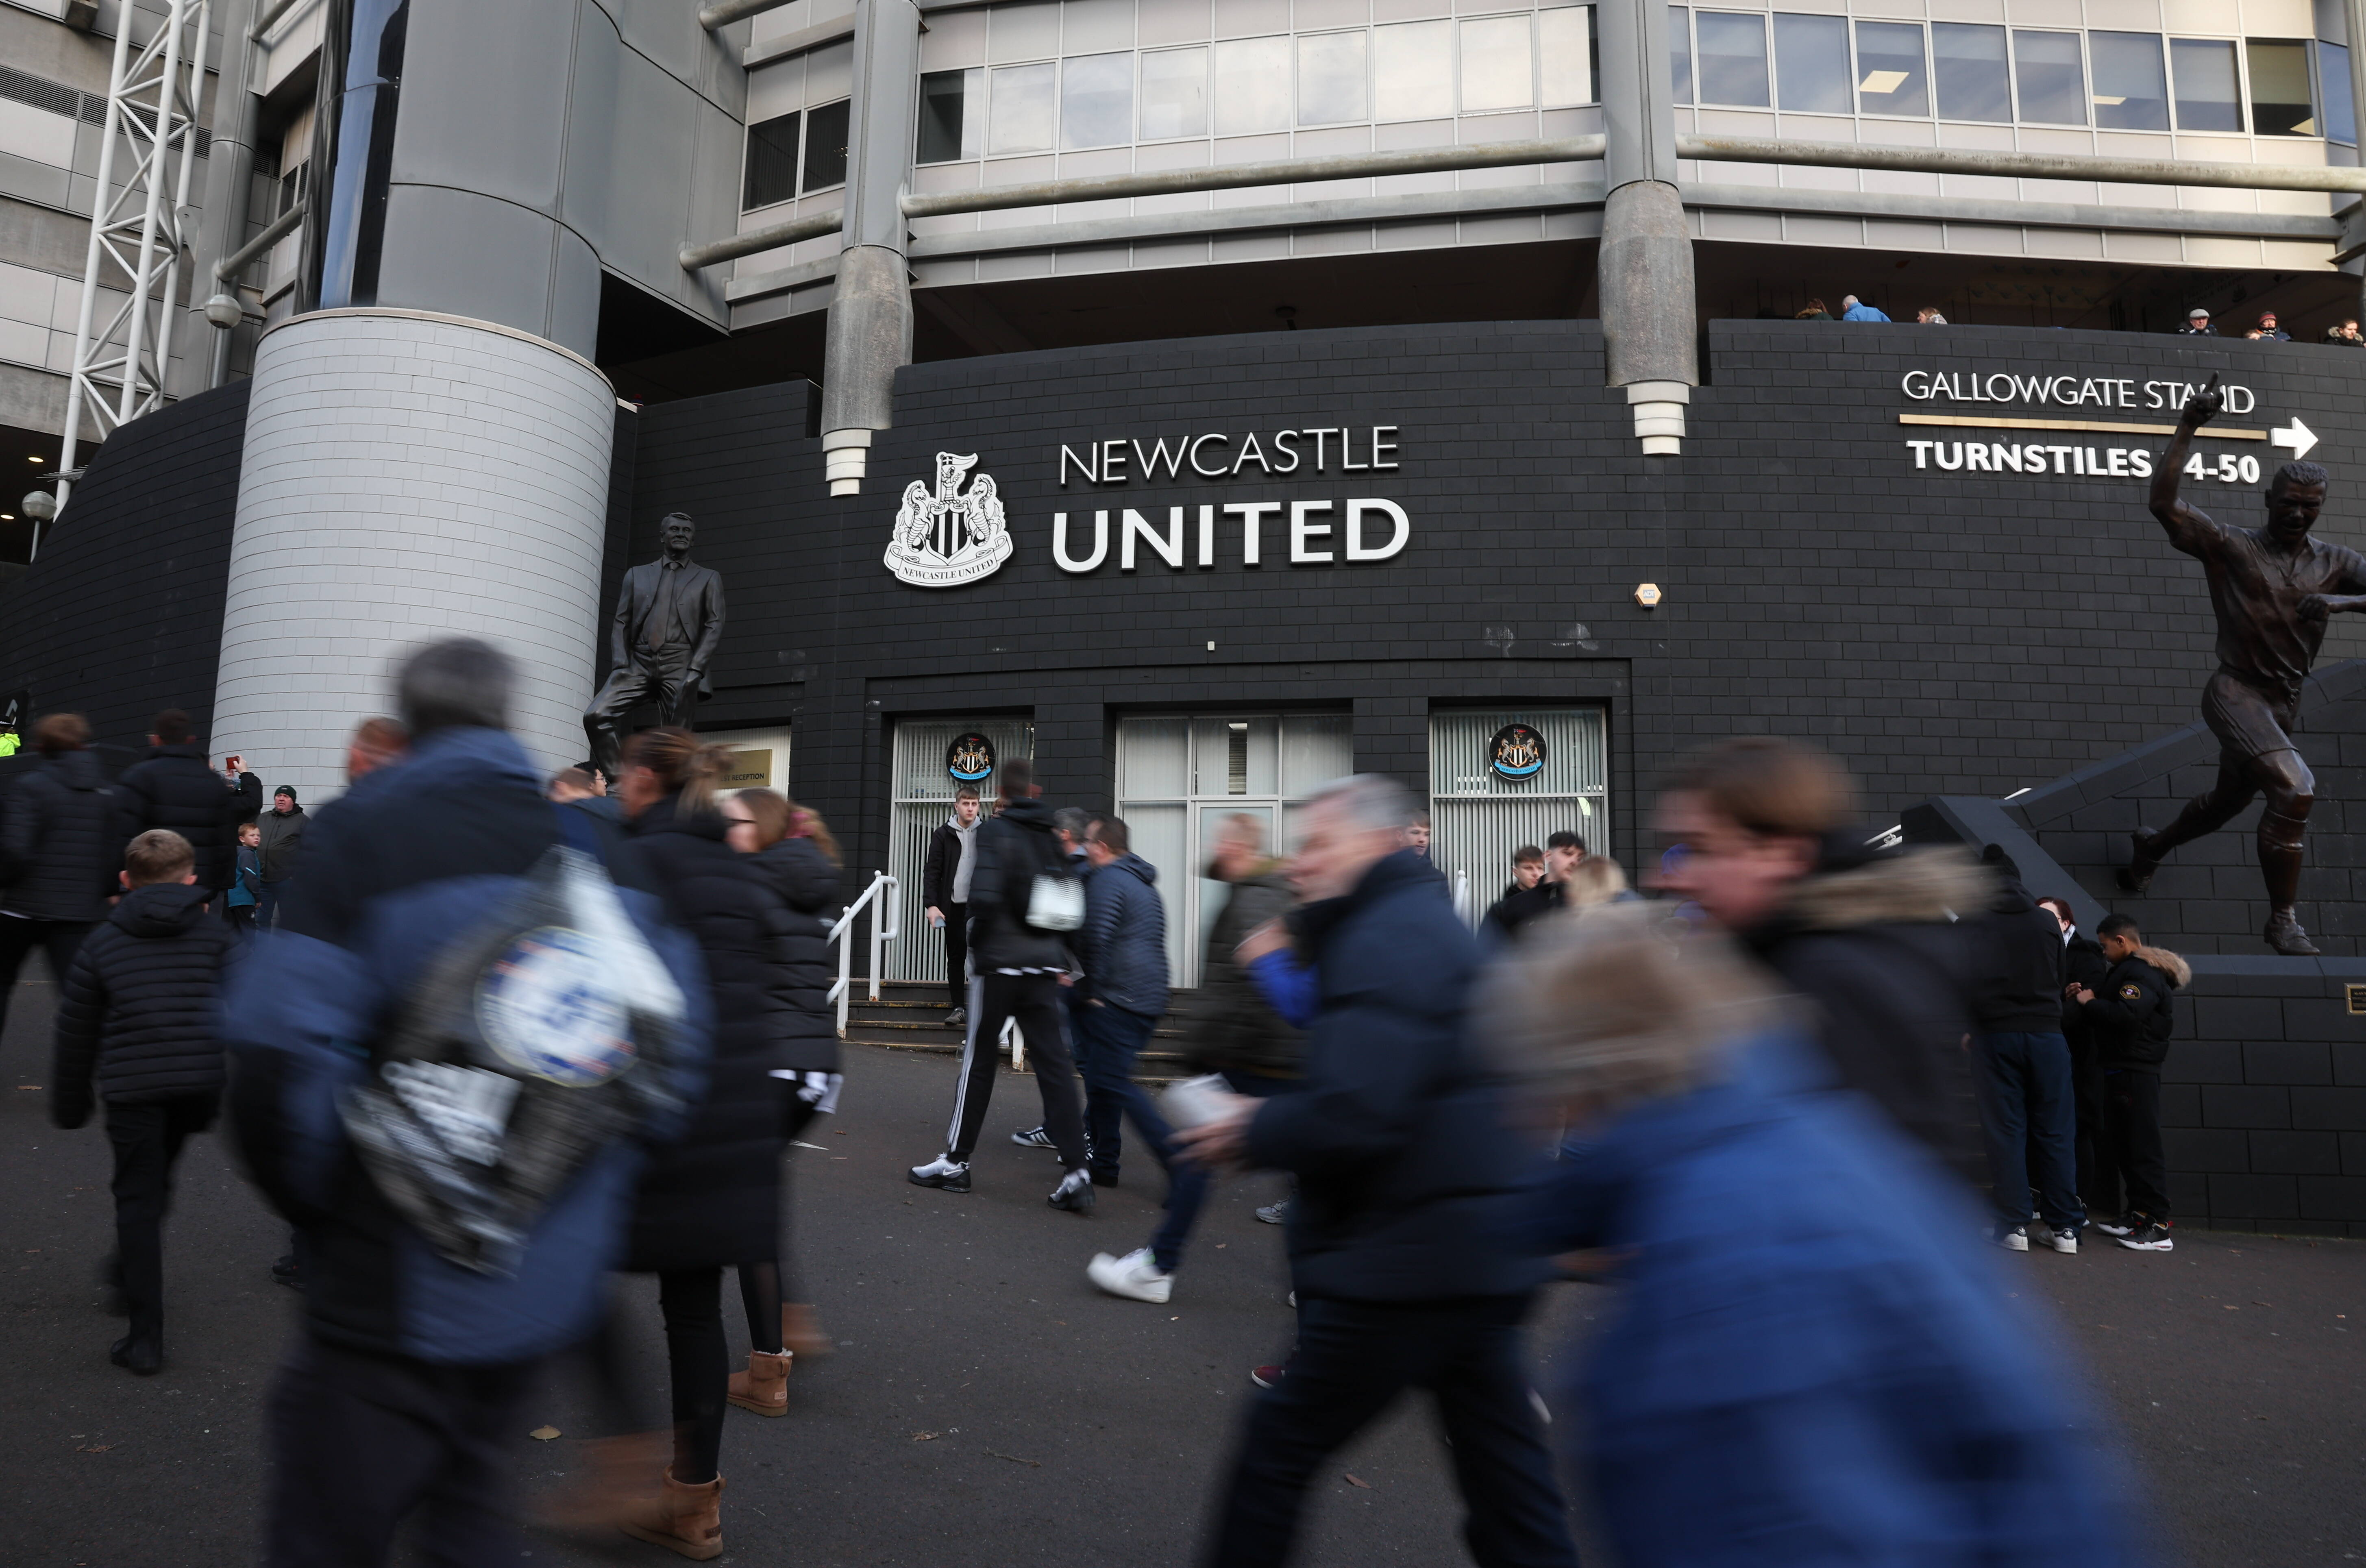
(1966, 71)
(795, 154)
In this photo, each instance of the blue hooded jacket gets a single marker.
(1814, 1361)
(395, 870)
(1123, 942)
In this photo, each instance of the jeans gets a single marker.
(358, 1441)
(146, 1140)
(2131, 1126)
(266, 903)
(63, 938)
(2027, 1118)
(1353, 1359)
(1109, 1039)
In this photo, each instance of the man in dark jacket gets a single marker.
(1017, 960)
(59, 852)
(2021, 1067)
(1869, 938)
(138, 1014)
(1408, 1179)
(1238, 1034)
(1563, 853)
(175, 787)
(944, 892)
(406, 1383)
(2131, 1016)
(2083, 968)
(283, 841)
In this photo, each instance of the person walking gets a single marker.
(711, 1201)
(59, 852)
(2021, 1067)
(1025, 897)
(175, 787)
(794, 851)
(1409, 1175)
(2132, 1016)
(407, 1387)
(1239, 1034)
(137, 1030)
(1775, 1380)
(283, 841)
(944, 892)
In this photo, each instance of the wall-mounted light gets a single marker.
(1647, 595)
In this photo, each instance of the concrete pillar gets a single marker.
(871, 308)
(1650, 321)
(407, 477)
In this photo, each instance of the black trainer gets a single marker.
(1075, 1194)
(1033, 1138)
(944, 1173)
(2126, 1225)
(2154, 1237)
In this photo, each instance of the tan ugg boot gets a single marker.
(683, 1519)
(612, 1481)
(765, 1386)
(801, 1331)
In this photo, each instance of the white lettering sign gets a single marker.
(1319, 533)
(1214, 455)
(2063, 392)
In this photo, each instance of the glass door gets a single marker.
(927, 753)
(1179, 776)
(1503, 779)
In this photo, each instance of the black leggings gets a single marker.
(698, 1356)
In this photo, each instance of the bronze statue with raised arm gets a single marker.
(2273, 587)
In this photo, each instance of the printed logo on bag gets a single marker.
(549, 1009)
(953, 536)
(1517, 752)
(970, 758)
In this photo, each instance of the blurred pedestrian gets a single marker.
(375, 742)
(1238, 1032)
(1783, 1378)
(1869, 938)
(1564, 852)
(2084, 968)
(283, 843)
(944, 892)
(60, 852)
(713, 1200)
(245, 881)
(424, 1333)
(2132, 1016)
(585, 788)
(2021, 1067)
(1407, 1179)
(175, 787)
(793, 849)
(138, 1028)
(1025, 897)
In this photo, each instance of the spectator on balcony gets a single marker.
(2267, 331)
(2346, 336)
(1816, 312)
(1929, 316)
(2197, 325)
(1855, 309)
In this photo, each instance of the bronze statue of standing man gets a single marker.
(669, 619)
(2273, 587)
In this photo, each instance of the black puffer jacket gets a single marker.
(2021, 991)
(807, 884)
(59, 844)
(714, 1198)
(139, 1008)
(174, 787)
(1012, 851)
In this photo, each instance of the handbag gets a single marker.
(1056, 903)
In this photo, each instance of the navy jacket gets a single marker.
(174, 787)
(1122, 942)
(60, 844)
(391, 876)
(140, 1008)
(1784, 1386)
(1407, 1170)
(2022, 991)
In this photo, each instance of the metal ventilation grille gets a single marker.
(24, 87)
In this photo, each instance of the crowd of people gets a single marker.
(1765, 1104)
(2343, 333)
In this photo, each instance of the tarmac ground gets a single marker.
(985, 1405)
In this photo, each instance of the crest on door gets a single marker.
(1517, 752)
(970, 758)
(953, 536)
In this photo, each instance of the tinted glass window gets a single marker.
(1811, 63)
(1173, 93)
(826, 145)
(1680, 50)
(1252, 85)
(951, 125)
(1097, 100)
(1331, 80)
(1413, 66)
(1496, 72)
(1731, 64)
(2280, 95)
(2046, 69)
(1566, 54)
(2202, 71)
(771, 172)
(2333, 86)
(1967, 61)
(1889, 76)
(1022, 110)
(2131, 83)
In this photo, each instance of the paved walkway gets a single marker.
(986, 1407)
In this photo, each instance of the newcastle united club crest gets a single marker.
(1517, 752)
(949, 538)
(970, 758)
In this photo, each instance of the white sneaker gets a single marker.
(2060, 1240)
(1134, 1277)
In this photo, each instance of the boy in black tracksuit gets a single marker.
(2084, 968)
(2129, 1019)
(137, 1015)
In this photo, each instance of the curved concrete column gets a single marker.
(408, 477)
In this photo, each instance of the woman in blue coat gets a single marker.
(1815, 1361)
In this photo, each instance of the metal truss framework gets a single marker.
(139, 223)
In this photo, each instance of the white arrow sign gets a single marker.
(2296, 436)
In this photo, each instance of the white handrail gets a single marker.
(884, 929)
